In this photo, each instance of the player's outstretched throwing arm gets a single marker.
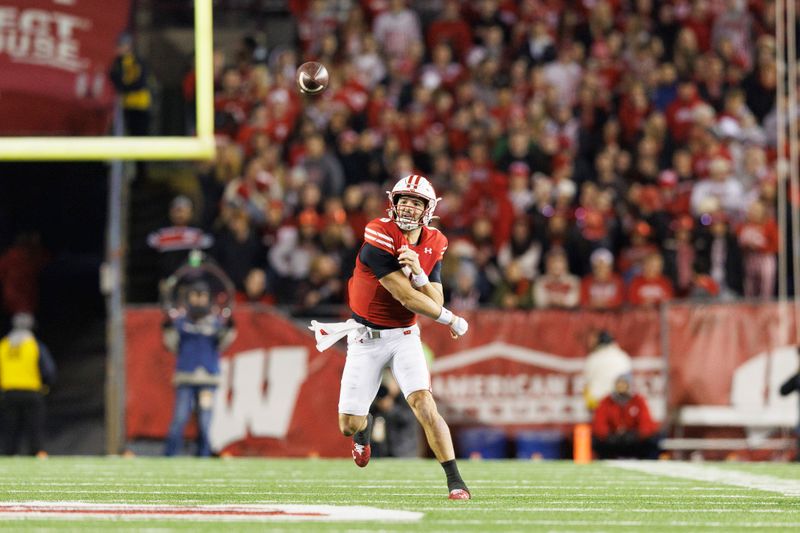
(418, 302)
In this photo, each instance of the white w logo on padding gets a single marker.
(267, 414)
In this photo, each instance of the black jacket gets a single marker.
(734, 266)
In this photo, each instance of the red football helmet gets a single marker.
(418, 187)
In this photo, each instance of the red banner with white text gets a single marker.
(278, 396)
(54, 59)
(525, 369)
(513, 369)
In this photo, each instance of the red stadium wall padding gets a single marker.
(524, 369)
(731, 354)
(54, 60)
(279, 395)
(517, 370)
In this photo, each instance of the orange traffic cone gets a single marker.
(582, 444)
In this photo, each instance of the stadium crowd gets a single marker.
(591, 154)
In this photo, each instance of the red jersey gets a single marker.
(612, 417)
(680, 117)
(643, 291)
(597, 294)
(759, 238)
(367, 297)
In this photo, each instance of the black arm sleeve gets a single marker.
(436, 273)
(379, 261)
(792, 384)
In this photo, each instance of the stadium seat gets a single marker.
(483, 443)
(539, 444)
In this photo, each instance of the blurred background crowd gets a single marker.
(590, 154)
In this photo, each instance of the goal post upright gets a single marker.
(202, 146)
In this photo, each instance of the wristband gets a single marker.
(419, 280)
(445, 317)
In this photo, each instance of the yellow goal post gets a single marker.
(138, 148)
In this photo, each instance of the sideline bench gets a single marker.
(760, 426)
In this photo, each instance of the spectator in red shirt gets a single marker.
(315, 22)
(699, 22)
(622, 425)
(633, 111)
(632, 257)
(651, 287)
(603, 288)
(20, 266)
(231, 107)
(680, 113)
(174, 242)
(758, 238)
(450, 28)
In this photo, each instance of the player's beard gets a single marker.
(409, 219)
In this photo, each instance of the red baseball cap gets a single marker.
(642, 228)
(462, 164)
(668, 178)
(308, 217)
(519, 168)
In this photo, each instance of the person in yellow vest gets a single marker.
(26, 371)
(130, 78)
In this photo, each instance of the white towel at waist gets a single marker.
(328, 334)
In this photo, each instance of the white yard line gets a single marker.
(219, 512)
(711, 474)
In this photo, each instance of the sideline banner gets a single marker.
(54, 60)
(279, 396)
(526, 368)
(515, 370)
(734, 356)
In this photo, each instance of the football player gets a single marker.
(397, 276)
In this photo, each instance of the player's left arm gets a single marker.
(433, 288)
(434, 291)
(429, 285)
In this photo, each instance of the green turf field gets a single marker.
(508, 495)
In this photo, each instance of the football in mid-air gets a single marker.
(312, 77)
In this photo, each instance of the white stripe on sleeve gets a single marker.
(378, 234)
(379, 241)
